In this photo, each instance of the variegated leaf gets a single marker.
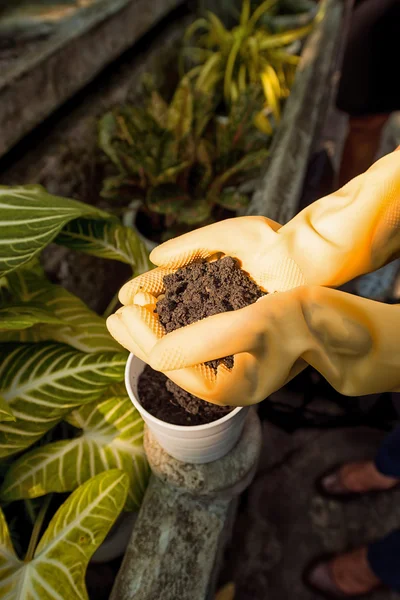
(43, 382)
(78, 326)
(6, 414)
(30, 218)
(106, 239)
(111, 437)
(180, 113)
(57, 570)
(16, 317)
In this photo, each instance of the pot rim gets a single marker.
(169, 426)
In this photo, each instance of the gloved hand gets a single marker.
(352, 342)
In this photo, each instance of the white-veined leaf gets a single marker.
(79, 326)
(57, 570)
(106, 239)
(23, 316)
(111, 437)
(6, 414)
(30, 218)
(43, 382)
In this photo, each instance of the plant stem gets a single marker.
(37, 527)
(30, 510)
(110, 308)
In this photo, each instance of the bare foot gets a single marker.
(345, 575)
(357, 477)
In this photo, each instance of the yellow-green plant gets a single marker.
(231, 60)
(181, 161)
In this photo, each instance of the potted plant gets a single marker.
(181, 165)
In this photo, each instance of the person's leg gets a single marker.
(361, 146)
(384, 559)
(383, 473)
(387, 460)
(345, 575)
(360, 571)
(368, 92)
(364, 569)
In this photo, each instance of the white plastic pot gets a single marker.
(193, 444)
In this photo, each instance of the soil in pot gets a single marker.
(193, 293)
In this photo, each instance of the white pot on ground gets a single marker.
(193, 444)
(117, 539)
(129, 220)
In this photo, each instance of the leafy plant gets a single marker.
(110, 437)
(61, 373)
(250, 53)
(180, 160)
(55, 568)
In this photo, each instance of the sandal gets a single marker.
(323, 576)
(331, 485)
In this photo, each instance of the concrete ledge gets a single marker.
(278, 194)
(48, 72)
(185, 521)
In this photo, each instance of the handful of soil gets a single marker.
(193, 293)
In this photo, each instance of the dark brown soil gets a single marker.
(193, 293)
(165, 400)
(204, 289)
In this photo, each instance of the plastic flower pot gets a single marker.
(129, 220)
(193, 444)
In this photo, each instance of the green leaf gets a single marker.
(261, 10)
(6, 414)
(30, 218)
(277, 40)
(170, 174)
(230, 63)
(218, 31)
(204, 159)
(194, 27)
(23, 316)
(180, 114)
(107, 131)
(194, 213)
(166, 199)
(57, 570)
(106, 239)
(114, 187)
(211, 73)
(43, 382)
(112, 437)
(159, 109)
(232, 200)
(80, 327)
(250, 162)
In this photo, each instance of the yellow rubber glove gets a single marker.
(352, 342)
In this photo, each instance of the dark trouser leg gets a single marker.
(387, 460)
(384, 555)
(384, 559)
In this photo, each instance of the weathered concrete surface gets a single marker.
(316, 80)
(173, 548)
(184, 523)
(286, 523)
(45, 73)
